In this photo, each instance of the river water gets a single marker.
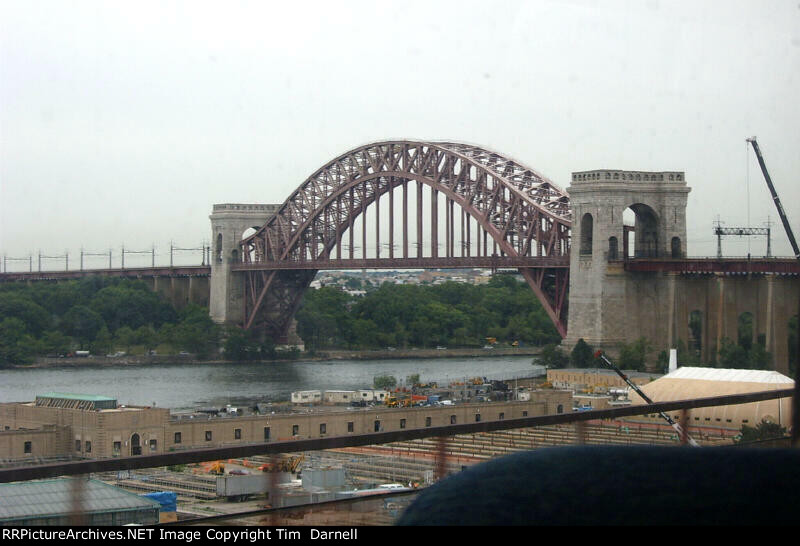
(182, 386)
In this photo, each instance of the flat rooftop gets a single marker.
(75, 401)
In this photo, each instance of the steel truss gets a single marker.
(524, 215)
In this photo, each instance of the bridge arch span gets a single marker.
(526, 216)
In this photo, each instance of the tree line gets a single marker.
(97, 314)
(450, 314)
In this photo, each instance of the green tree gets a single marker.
(82, 324)
(147, 337)
(16, 345)
(54, 342)
(385, 382)
(582, 355)
(196, 332)
(18, 305)
(412, 379)
(552, 357)
(633, 356)
(732, 355)
(762, 431)
(102, 343)
(125, 337)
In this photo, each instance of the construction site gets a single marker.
(313, 477)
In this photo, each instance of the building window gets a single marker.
(153, 445)
(560, 408)
(117, 447)
(587, 224)
(295, 430)
(613, 248)
(208, 436)
(377, 426)
(427, 421)
(237, 434)
(402, 423)
(524, 413)
(266, 433)
(477, 417)
(177, 437)
(323, 428)
(88, 446)
(28, 447)
(501, 416)
(77, 445)
(349, 426)
(452, 419)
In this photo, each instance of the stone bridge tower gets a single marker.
(229, 222)
(607, 305)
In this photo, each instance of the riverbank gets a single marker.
(318, 356)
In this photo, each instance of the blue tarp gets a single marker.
(167, 499)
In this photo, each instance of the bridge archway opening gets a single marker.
(695, 345)
(247, 233)
(644, 220)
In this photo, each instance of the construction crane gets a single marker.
(640, 392)
(775, 197)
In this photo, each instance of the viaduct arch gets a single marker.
(518, 218)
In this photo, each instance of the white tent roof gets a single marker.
(722, 374)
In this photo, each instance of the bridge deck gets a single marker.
(130, 273)
(785, 266)
(487, 262)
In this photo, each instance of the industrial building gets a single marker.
(594, 380)
(52, 502)
(688, 382)
(83, 426)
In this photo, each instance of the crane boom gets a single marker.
(775, 197)
(640, 392)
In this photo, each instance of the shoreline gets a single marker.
(319, 356)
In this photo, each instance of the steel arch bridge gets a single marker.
(511, 217)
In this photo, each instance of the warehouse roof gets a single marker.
(75, 401)
(688, 383)
(49, 498)
(88, 397)
(721, 374)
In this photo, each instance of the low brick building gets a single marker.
(74, 426)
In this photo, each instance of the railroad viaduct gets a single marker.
(411, 204)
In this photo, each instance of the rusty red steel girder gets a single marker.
(525, 215)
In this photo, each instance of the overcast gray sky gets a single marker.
(123, 122)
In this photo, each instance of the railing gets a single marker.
(383, 506)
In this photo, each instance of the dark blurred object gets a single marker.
(619, 486)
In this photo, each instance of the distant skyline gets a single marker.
(123, 123)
